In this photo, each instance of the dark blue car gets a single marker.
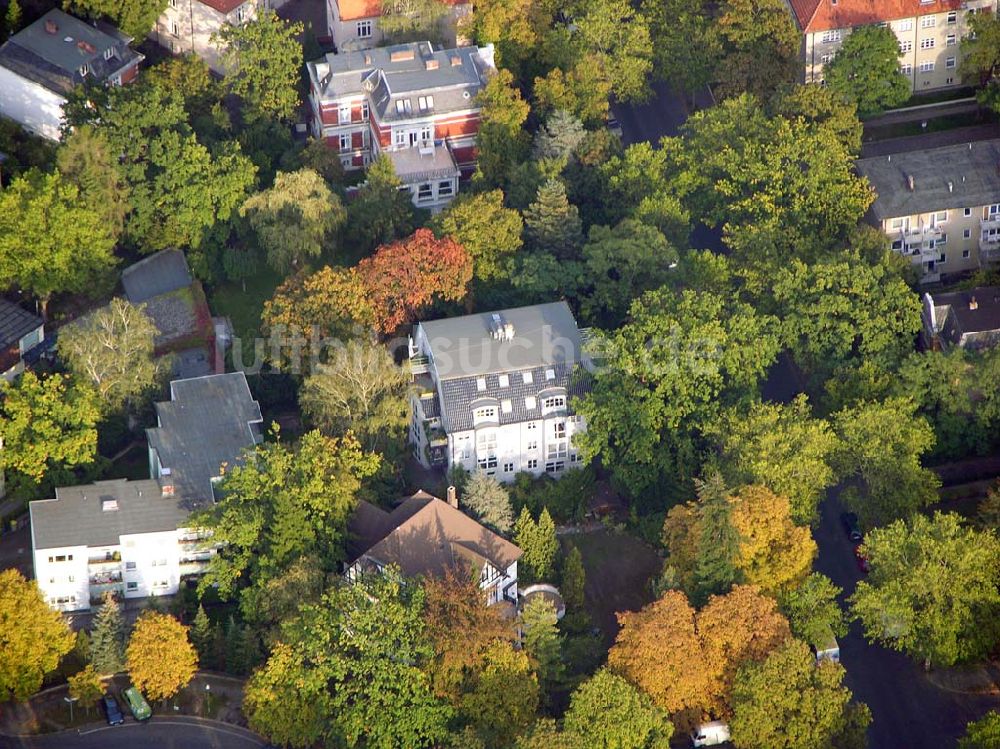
(112, 710)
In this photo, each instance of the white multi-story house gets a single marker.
(929, 32)
(494, 391)
(940, 207)
(414, 103)
(424, 536)
(357, 24)
(41, 64)
(132, 537)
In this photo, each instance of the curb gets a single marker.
(98, 725)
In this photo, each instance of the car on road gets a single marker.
(862, 560)
(111, 710)
(851, 527)
(825, 646)
(137, 704)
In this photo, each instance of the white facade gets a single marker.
(30, 104)
(187, 26)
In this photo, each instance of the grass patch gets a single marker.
(934, 125)
(952, 94)
(133, 465)
(244, 307)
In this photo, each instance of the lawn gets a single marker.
(619, 568)
(244, 308)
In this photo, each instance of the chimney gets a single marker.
(453, 497)
(51, 27)
(166, 482)
(951, 186)
(911, 183)
(431, 65)
(368, 59)
(456, 61)
(973, 304)
(400, 55)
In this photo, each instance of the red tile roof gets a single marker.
(824, 15)
(352, 10)
(223, 6)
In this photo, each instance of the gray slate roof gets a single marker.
(157, 274)
(208, 422)
(956, 320)
(54, 59)
(15, 323)
(76, 516)
(544, 335)
(971, 168)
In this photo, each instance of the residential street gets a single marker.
(159, 733)
(661, 115)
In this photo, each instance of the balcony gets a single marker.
(101, 582)
(193, 567)
(921, 242)
(989, 239)
(105, 562)
(419, 365)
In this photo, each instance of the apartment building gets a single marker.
(929, 32)
(940, 207)
(424, 536)
(133, 537)
(494, 391)
(356, 24)
(409, 101)
(41, 64)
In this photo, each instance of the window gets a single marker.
(896, 223)
(831, 36)
(130, 565)
(965, 253)
(109, 53)
(939, 218)
(554, 466)
(425, 192)
(533, 463)
(941, 242)
(943, 259)
(574, 457)
(927, 22)
(508, 467)
(926, 67)
(485, 413)
(503, 379)
(532, 445)
(967, 212)
(403, 106)
(364, 29)
(345, 141)
(344, 115)
(927, 43)
(559, 430)
(71, 578)
(556, 450)
(480, 384)
(506, 406)
(446, 189)
(951, 40)
(825, 59)
(241, 13)
(486, 440)
(897, 244)
(906, 46)
(550, 374)
(173, 29)
(364, 110)
(906, 25)
(966, 233)
(131, 586)
(993, 210)
(557, 402)
(425, 103)
(527, 378)
(399, 137)
(531, 404)
(161, 583)
(952, 18)
(949, 63)
(425, 134)
(906, 69)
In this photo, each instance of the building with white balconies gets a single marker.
(940, 207)
(132, 537)
(494, 391)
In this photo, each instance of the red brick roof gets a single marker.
(823, 15)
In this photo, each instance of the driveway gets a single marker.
(158, 733)
(907, 710)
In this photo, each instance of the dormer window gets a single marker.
(504, 380)
(403, 106)
(480, 384)
(527, 377)
(488, 413)
(550, 374)
(109, 53)
(426, 103)
(84, 69)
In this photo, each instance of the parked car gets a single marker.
(111, 710)
(862, 559)
(710, 734)
(137, 704)
(851, 527)
(614, 126)
(826, 646)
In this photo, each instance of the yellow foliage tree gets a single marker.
(160, 658)
(34, 637)
(86, 686)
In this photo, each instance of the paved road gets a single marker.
(908, 710)
(158, 733)
(661, 115)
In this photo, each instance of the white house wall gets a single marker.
(62, 577)
(33, 106)
(152, 564)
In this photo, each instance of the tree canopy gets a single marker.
(866, 70)
(160, 658)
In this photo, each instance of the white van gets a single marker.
(826, 647)
(710, 734)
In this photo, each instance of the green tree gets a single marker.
(112, 349)
(931, 591)
(812, 609)
(284, 504)
(295, 219)
(716, 563)
(50, 240)
(760, 47)
(783, 448)
(983, 733)
(202, 634)
(263, 60)
(881, 443)
(160, 658)
(542, 641)
(488, 231)
(85, 159)
(582, 90)
(866, 70)
(607, 712)
(502, 141)
(489, 502)
(791, 702)
(981, 49)
(319, 157)
(821, 109)
(360, 389)
(538, 541)
(622, 263)
(558, 137)
(380, 212)
(107, 638)
(47, 424)
(86, 686)
(12, 18)
(239, 264)
(618, 36)
(574, 579)
(286, 700)
(552, 223)
(503, 700)
(35, 637)
(685, 47)
(134, 17)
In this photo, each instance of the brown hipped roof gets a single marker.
(426, 536)
(825, 15)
